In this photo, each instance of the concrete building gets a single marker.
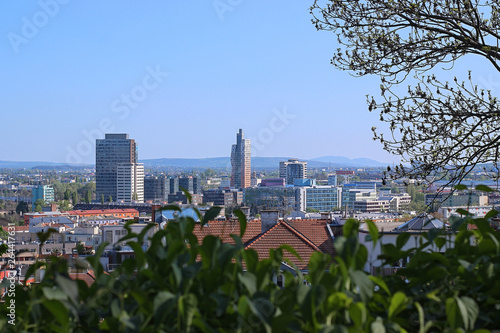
(353, 194)
(293, 169)
(456, 199)
(321, 198)
(221, 197)
(43, 192)
(191, 184)
(240, 162)
(130, 182)
(115, 149)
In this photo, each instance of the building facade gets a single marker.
(130, 182)
(241, 162)
(43, 192)
(319, 198)
(111, 151)
(293, 169)
(156, 188)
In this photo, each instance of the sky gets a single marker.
(180, 78)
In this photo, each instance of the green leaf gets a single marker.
(242, 219)
(58, 310)
(380, 282)
(211, 214)
(357, 313)
(373, 230)
(54, 293)
(364, 284)
(398, 304)
(491, 213)
(170, 207)
(350, 228)
(484, 188)
(43, 236)
(402, 240)
(470, 311)
(460, 187)
(452, 313)
(249, 280)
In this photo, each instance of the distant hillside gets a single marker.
(260, 162)
(211, 162)
(356, 162)
(41, 165)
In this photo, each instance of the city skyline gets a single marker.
(179, 88)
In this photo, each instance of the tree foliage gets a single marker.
(441, 129)
(183, 284)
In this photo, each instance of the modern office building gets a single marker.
(156, 188)
(351, 195)
(44, 192)
(115, 149)
(240, 162)
(191, 184)
(320, 198)
(293, 169)
(456, 199)
(130, 182)
(221, 197)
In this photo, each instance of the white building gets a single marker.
(388, 234)
(130, 182)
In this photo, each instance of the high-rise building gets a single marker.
(130, 182)
(240, 162)
(156, 188)
(293, 169)
(43, 192)
(115, 149)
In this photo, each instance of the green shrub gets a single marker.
(182, 284)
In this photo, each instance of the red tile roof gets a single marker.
(317, 232)
(103, 211)
(224, 229)
(280, 234)
(88, 277)
(305, 236)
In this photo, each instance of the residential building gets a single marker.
(240, 162)
(293, 169)
(43, 192)
(130, 182)
(388, 234)
(115, 149)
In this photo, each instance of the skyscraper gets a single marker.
(293, 169)
(240, 162)
(112, 151)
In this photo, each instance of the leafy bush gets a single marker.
(182, 284)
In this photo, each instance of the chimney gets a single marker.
(268, 218)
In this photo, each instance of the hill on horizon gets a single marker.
(209, 162)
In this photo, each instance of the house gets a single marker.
(305, 236)
(388, 234)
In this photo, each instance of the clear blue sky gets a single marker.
(73, 71)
